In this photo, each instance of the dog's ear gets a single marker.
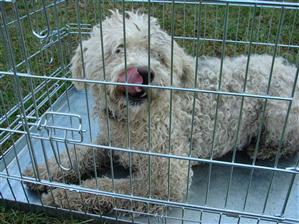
(184, 65)
(188, 72)
(77, 67)
(115, 16)
(89, 52)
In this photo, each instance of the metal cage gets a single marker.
(38, 116)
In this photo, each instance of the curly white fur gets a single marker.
(205, 142)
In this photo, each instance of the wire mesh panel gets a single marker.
(151, 144)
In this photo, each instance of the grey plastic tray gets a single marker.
(219, 177)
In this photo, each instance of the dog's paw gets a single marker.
(102, 205)
(262, 153)
(42, 174)
(77, 201)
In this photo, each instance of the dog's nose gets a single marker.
(146, 73)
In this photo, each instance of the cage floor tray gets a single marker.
(75, 103)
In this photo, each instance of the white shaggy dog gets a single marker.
(213, 133)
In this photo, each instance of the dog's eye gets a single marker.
(119, 48)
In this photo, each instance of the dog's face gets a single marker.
(134, 58)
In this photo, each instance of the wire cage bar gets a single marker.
(43, 116)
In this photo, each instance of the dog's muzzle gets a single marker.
(135, 75)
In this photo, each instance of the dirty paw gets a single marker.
(77, 201)
(33, 186)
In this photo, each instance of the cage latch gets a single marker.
(58, 126)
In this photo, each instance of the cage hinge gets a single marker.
(56, 126)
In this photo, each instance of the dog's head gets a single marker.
(134, 58)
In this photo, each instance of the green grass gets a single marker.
(14, 216)
(241, 22)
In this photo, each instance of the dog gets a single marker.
(149, 111)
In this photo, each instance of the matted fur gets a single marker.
(170, 174)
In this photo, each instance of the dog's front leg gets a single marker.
(145, 183)
(92, 203)
(80, 162)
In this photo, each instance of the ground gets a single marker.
(14, 216)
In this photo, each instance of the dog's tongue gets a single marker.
(133, 77)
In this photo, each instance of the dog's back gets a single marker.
(251, 79)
